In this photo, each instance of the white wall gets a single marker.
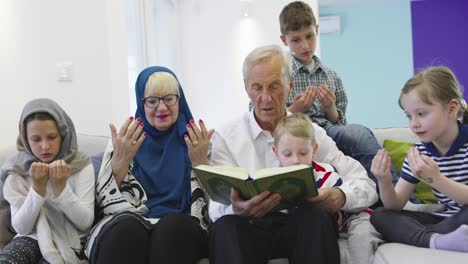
(212, 42)
(36, 35)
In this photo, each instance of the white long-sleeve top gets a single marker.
(76, 201)
(243, 143)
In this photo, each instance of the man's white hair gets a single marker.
(265, 54)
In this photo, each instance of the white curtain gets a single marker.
(153, 30)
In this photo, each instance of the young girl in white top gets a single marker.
(433, 102)
(49, 185)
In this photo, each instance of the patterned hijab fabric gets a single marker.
(21, 162)
(162, 164)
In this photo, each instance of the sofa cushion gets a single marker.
(392, 253)
(397, 150)
(395, 133)
(97, 160)
(6, 233)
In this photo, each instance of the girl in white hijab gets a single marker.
(49, 185)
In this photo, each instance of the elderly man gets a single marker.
(247, 231)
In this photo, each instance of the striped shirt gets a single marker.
(327, 176)
(320, 74)
(453, 165)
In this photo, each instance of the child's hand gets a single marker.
(40, 175)
(303, 101)
(59, 171)
(326, 97)
(381, 166)
(423, 167)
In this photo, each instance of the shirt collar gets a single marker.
(461, 139)
(297, 65)
(255, 128)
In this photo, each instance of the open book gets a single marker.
(294, 183)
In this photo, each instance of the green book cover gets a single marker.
(294, 183)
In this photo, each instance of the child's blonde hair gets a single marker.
(163, 81)
(297, 125)
(440, 85)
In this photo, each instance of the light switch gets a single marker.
(65, 71)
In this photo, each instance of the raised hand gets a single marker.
(198, 142)
(423, 167)
(257, 206)
(59, 172)
(40, 175)
(326, 97)
(380, 167)
(125, 144)
(330, 198)
(303, 101)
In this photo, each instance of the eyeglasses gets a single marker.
(153, 101)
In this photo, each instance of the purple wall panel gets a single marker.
(440, 36)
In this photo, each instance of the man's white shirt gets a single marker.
(243, 143)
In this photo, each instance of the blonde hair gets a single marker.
(440, 84)
(297, 125)
(162, 81)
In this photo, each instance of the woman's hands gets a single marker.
(57, 172)
(198, 142)
(125, 144)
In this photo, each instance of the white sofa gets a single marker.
(391, 253)
(395, 253)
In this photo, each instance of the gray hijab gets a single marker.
(21, 162)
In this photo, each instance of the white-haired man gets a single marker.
(247, 231)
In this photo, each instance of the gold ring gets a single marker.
(195, 142)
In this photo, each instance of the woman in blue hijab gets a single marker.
(145, 195)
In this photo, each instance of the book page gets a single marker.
(278, 170)
(233, 172)
(294, 184)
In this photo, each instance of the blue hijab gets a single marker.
(162, 164)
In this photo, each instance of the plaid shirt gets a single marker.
(320, 74)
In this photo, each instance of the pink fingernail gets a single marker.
(188, 126)
(191, 121)
(185, 136)
(131, 118)
(138, 119)
(142, 125)
(144, 134)
(201, 121)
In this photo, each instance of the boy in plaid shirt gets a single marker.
(318, 90)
